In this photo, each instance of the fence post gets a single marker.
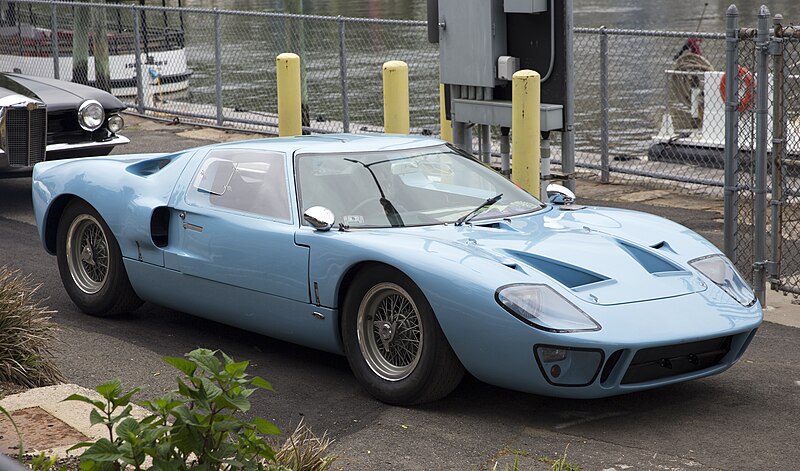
(54, 41)
(218, 67)
(343, 77)
(604, 166)
(760, 190)
(568, 133)
(137, 59)
(731, 132)
(778, 149)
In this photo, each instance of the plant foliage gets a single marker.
(195, 427)
(25, 333)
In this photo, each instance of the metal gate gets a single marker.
(762, 151)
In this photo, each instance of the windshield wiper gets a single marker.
(474, 212)
(391, 212)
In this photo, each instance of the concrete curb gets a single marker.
(74, 414)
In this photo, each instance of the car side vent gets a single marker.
(149, 167)
(159, 226)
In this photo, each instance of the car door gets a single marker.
(234, 225)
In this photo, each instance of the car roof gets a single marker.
(335, 143)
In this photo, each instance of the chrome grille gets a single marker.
(24, 135)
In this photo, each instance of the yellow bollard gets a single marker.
(395, 97)
(447, 127)
(289, 104)
(525, 130)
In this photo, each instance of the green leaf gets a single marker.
(128, 428)
(102, 451)
(211, 389)
(188, 368)
(80, 445)
(239, 403)
(260, 382)
(266, 427)
(125, 398)
(109, 389)
(236, 369)
(77, 397)
(95, 417)
(206, 359)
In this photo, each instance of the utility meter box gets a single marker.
(473, 34)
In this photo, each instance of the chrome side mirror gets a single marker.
(559, 194)
(320, 217)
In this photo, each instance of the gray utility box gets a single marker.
(473, 32)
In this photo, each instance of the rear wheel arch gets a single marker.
(53, 218)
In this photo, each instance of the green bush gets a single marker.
(25, 333)
(195, 427)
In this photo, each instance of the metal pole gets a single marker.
(568, 134)
(137, 53)
(778, 149)
(545, 168)
(486, 143)
(343, 77)
(54, 41)
(505, 152)
(218, 67)
(731, 131)
(604, 165)
(760, 190)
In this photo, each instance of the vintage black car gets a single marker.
(46, 119)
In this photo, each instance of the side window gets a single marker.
(243, 180)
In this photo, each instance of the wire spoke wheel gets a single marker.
(87, 254)
(390, 331)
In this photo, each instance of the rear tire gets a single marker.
(90, 263)
(393, 341)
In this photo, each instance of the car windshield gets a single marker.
(408, 187)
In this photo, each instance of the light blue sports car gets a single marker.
(410, 257)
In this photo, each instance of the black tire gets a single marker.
(90, 263)
(425, 368)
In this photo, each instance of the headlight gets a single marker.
(90, 115)
(720, 270)
(115, 123)
(543, 308)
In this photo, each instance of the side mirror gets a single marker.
(559, 194)
(320, 217)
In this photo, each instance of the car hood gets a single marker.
(604, 256)
(57, 94)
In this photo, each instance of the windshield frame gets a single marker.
(442, 145)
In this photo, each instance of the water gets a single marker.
(672, 15)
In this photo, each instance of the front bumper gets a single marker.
(64, 151)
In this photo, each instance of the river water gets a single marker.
(637, 86)
(673, 15)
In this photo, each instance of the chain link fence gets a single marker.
(647, 102)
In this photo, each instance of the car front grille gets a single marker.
(23, 134)
(673, 360)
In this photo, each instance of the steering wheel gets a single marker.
(355, 209)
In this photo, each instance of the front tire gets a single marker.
(90, 263)
(393, 341)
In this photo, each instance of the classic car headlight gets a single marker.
(543, 308)
(90, 115)
(115, 123)
(720, 270)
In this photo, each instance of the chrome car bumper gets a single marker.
(64, 151)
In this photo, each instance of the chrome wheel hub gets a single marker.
(389, 331)
(87, 254)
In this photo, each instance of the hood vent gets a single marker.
(649, 261)
(568, 275)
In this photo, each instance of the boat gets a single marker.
(27, 47)
(692, 127)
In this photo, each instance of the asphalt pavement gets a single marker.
(745, 418)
